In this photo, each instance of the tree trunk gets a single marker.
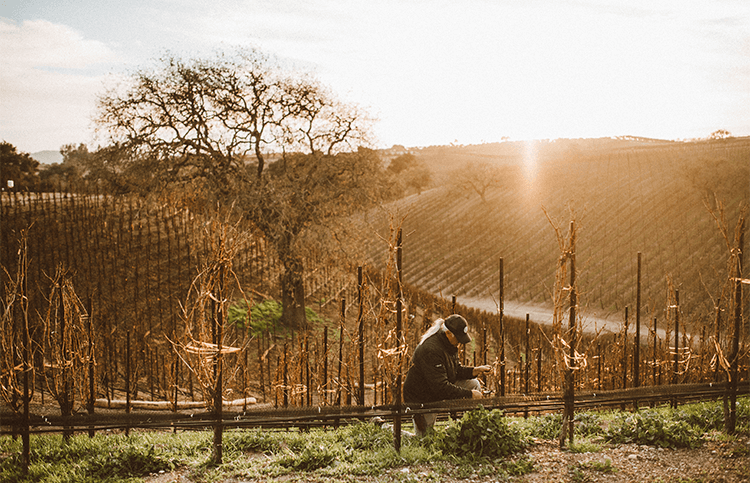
(293, 293)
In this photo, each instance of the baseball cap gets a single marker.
(458, 326)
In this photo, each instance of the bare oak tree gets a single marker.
(240, 130)
(478, 177)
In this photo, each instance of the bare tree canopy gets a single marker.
(239, 129)
(211, 118)
(480, 176)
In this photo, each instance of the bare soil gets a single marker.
(714, 462)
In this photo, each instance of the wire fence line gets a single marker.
(333, 416)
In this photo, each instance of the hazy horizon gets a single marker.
(433, 73)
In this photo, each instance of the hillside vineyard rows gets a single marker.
(653, 200)
(131, 265)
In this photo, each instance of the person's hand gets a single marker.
(476, 394)
(481, 370)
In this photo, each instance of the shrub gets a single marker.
(588, 424)
(653, 428)
(743, 414)
(546, 426)
(710, 414)
(264, 316)
(480, 433)
(702, 415)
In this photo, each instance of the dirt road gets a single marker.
(591, 322)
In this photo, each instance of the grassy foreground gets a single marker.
(481, 442)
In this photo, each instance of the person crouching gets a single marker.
(436, 374)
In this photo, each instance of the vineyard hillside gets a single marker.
(135, 273)
(625, 196)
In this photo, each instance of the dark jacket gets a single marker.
(434, 371)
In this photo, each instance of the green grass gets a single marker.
(364, 449)
(584, 446)
(481, 443)
(580, 471)
(603, 466)
(102, 458)
(682, 427)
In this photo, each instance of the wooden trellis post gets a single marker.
(675, 371)
(127, 378)
(569, 397)
(340, 383)
(22, 291)
(218, 309)
(92, 396)
(625, 353)
(731, 421)
(361, 336)
(325, 365)
(501, 351)
(653, 355)
(539, 361)
(399, 295)
(637, 347)
(676, 336)
(526, 359)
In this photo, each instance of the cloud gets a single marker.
(47, 91)
(431, 71)
(39, 43)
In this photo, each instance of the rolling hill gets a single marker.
(47, 157)
(625, 195)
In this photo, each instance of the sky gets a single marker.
(432, 72)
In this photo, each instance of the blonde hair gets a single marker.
(436, 326)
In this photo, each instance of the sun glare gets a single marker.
(529, 167)
(529, 161)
